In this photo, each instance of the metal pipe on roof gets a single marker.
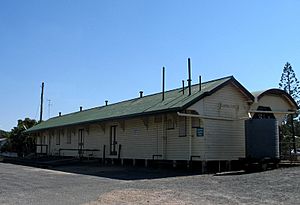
(163, 83)
(80, 108)
(141, 94)
(183, 87)
(106, 102)
(189, 74)
(200, 82)
(59, 114)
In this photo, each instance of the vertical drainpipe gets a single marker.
(163, 116)
(189, 124)
(163, 136)
(163, 84)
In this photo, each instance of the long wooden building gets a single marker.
(203, 124)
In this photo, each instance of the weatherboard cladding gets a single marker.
(174, 100)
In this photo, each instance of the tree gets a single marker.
(290, 84)
(21, 142)
(3, 134)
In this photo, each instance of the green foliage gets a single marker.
(291, 128)
(3, 134)
(289, 83)
(287, 140)
(21, 142)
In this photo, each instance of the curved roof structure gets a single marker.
(275, 91)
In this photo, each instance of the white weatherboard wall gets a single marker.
(91, 140)
(143, 137)
(139, 139)
(178, 146)
(223, 139)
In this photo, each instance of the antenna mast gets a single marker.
(49, 107)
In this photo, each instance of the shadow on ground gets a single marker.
(95, 168)
(123, 172)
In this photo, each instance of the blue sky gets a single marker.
(87, 52)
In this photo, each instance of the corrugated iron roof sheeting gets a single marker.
(174, 100)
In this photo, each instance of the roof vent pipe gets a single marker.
(106, 102)
(183, 87)
(141, 94)
(200, 82)
(80, 108)
(163, 84)
(189, 73)
(59, 114)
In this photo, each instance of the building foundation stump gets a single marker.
(203, 167)
(174, 163)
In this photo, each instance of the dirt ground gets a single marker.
(94, 185)
(281, 186)
(137, 196)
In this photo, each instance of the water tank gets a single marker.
(262, 139)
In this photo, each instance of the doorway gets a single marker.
(80, 142)
(113, 140)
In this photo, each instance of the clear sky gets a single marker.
(87, 52)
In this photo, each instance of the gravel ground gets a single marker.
(91, 185)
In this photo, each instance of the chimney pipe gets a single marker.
(59, 114)
(141, 94)
(189, 73)
(200, 82)
(80, 108)
(183, 87)
(106, 102)
(163, 84)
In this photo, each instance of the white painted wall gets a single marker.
(141, 138)
(223, 140)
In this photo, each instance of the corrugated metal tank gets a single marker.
(262, 138)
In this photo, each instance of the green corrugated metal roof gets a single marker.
(174, 101)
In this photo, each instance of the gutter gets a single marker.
(204, 117)
(272, 112)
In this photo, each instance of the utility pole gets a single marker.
(42, 98)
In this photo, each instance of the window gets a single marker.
(182, 126)
(69, 136)
(197, 123)
(58, 138)
(170, 124)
